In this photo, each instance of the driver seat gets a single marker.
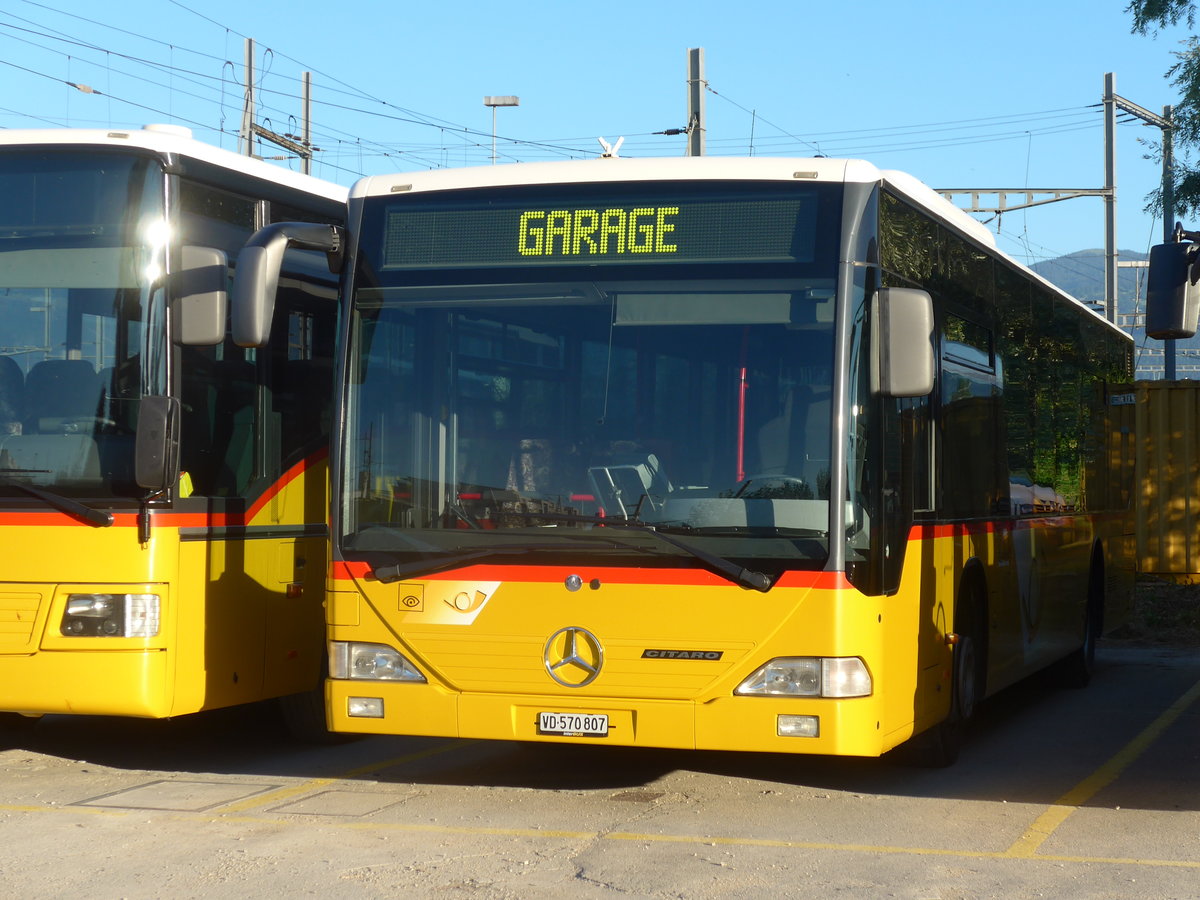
(796, 442)
(59, 390)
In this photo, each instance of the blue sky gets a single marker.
(959, 94)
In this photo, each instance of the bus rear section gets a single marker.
(723, 454)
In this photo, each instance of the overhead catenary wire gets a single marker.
(465, 135)
(580, 146)
(196, 76)
(468, 138)
(347, 150)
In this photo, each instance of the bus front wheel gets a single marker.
(939, 746)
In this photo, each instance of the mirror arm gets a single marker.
(259, 263)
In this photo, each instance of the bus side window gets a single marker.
(218, 417)
(217, 383)
(301, 370)
(301, 396)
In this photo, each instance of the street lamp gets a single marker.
(493, 102)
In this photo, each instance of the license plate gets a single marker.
(573, 724)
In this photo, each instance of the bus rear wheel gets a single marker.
(1076, 670)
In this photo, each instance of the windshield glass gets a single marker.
(478, 416)
(82, 240)
(639, 372)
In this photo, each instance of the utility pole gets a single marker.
(306, 123)
(1168, 204)
(696, 85)
(1110, 199)
(1041, 196)
(1112, 102)
(246, 133)
(251, 129)
(1168, 180)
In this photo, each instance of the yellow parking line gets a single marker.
(1046, 824)
(889, 850)
(312, 785)
(700, 840)
(1025, 847)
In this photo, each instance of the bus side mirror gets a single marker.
(201, 297)
(156, 453)
(902, 361)
(1172, 294)
(257, 275)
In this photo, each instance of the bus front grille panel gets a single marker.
(19, 605)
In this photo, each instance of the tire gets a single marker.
(939, 746)
(15, 729)
(304, 717)
(1075, 671)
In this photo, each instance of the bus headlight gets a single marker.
(112, 615)
(809, 676)
(370, 662)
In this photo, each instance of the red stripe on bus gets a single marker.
(347, 571)
(283, 481)
(931, 531)
(357, 571)
(42, 518)
(169, 518)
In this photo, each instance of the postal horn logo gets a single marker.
(573, 656)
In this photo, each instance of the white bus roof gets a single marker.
(603, 169)
(699, 168)
(177, 140)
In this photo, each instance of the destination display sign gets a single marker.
(659, 229)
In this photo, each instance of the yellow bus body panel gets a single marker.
(45, 671)
(241, 618)
(494, 679)
(480, 635)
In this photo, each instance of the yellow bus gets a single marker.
(162, 491)
(761, 454)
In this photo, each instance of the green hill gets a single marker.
(1081, 274)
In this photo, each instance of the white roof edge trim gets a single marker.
(934, 202)
(680, 168)
(925, 196)
(170, 139)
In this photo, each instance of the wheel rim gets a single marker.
(1090, 628)
(965, 682)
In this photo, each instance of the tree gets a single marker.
(1148, 17)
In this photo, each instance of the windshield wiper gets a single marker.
(782, 531)
(735, 573)
(401, 571)
(99, 518)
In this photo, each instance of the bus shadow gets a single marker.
(1032, 743)
(247, 739)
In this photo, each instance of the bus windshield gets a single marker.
(489, 413)
(82, 251)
